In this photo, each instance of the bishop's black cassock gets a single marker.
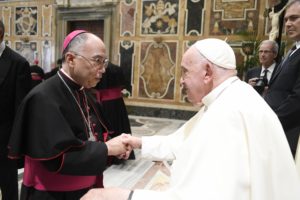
(51, 131)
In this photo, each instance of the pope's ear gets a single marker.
(209, 71)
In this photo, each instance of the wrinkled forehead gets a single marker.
(191, 58)
(266, 46)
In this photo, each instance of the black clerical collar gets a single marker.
(72, 84)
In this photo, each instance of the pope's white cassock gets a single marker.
(234, 148)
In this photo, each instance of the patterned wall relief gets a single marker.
(8, 43)
(233, 16)
(6, 19)
(27, 50)
(183, 95)
(46, 20)
(82, 3)
(159, 17)
(47, 55)
(126, 62)
(241, 60)
(157, 70)
(127, 17)
(194, 17)
(26, 21)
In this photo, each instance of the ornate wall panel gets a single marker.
(85, 3)
(160, 17)
(126, 62)
(47, 55)
(28, 49)
(194, 17)
(26, 20)
(157, 70)
(163, 30)
(147, 38)
(128, 16)
(29, 27)
(183, 95)
(233, 16)
(6, 19)
(47, 20)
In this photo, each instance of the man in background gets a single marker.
(283, 94)
(15, 83)
(259, 77)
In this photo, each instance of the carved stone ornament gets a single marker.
(80, 3)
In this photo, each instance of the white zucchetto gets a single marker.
(217, 51)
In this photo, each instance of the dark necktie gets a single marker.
(265, 77)
(292, 50)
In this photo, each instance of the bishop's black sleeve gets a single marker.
(89, 160)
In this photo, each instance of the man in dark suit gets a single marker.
(14, 85)
(283, 94)
(259, 77)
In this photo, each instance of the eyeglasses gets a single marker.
(98, 61)
(265, 51)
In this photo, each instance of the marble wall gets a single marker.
(153, 35)
(146, 38)
(30, 29)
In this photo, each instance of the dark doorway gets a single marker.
(93, 26)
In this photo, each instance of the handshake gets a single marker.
(122, 145)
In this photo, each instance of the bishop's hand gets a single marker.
(116, 147)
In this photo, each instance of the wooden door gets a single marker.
(93, 26)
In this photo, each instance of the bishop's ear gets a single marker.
(69, 58)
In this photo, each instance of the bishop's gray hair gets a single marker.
(75, 44)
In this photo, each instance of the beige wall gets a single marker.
(30, 29)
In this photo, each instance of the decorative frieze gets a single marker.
(127, 18)
(47, 20)
(26, 19)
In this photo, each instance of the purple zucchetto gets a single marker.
(70, 37)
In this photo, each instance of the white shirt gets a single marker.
(297, 47)
(234, 148)
(270, 71)
(297, 44)
(2, 47)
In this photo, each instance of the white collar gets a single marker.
(215, 93)
(2, 47)
(297, 44)
(270, 69)
(65, 73)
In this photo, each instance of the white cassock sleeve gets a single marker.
(235, 150)
(164, 147)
